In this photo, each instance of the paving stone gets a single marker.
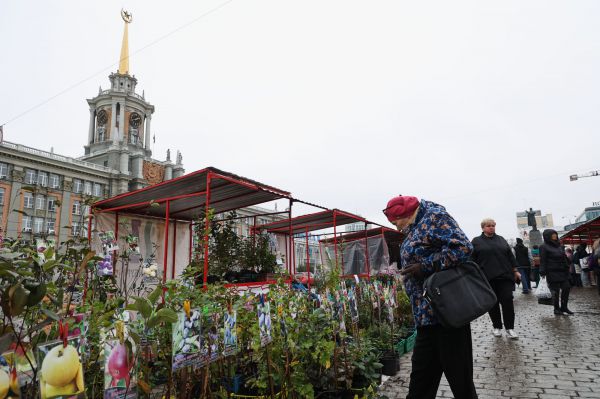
(554, 357)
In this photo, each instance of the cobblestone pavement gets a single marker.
(554, 357)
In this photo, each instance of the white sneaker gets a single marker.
(512, 334)
(497, 332)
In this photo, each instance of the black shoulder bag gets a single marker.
(459, 294)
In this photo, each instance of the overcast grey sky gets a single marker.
(484, 107)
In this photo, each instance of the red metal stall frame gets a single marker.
(268, 192)
(585, 233)
(327, 218)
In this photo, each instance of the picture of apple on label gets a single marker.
(61, 372)
(119, 371)
(9, 383)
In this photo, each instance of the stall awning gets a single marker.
(313, 221)
(586, 233)
(187, 195)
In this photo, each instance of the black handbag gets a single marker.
(459, 294)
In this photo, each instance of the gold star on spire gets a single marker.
(124, 60)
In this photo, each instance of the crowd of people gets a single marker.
(433, 242)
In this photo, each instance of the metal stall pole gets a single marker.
(190, 243)
(166, 248)
(114, 258)
(174, 249)
(206, 212)
(367, 253)
(307, 261)
(292, 258)
(335, 238)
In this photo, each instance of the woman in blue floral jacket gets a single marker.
(433, 241)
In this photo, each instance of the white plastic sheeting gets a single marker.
(352, 255)
(150, 233)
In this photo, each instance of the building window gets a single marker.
(26, 223)
(38, 225)
(28, 200)
(1, 196)
(75, 229)
(85, 210)
(54, 181)
(77, 185)
(97, 190)
(51, 204)
(50, 226)
(76, 208)
(42, 179)
(87, 188)
(30, 177)
(40, 202)
(3, 170)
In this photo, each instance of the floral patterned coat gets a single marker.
(434, 240)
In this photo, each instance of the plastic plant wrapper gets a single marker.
(24, 370)
(61, 372)
(264, 322)
(212, 343)
(9, 381)
(119, 370)
(230, 333)
(188, 341)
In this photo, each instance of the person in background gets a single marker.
(535, 265)
(494, 255)
(574, 276)
(580, 259)
(553, 264)
(434, 241)
(524, 260)
(595, 262)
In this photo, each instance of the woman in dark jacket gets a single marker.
(554, 266)
(493, 254)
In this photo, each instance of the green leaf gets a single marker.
(144, 307)
(17, 299)
(36, 293)
(153, 322)
(167, 315)
(50, 314)
(153, 297)
(49, 253)
(49, 265)
(134, 336)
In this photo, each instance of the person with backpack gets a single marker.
(524, 259)
(580, 259)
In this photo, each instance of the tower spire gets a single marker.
(124, 60)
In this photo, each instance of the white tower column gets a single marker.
(147, 136)
(113, 123)
(91, 131)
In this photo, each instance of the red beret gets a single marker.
(400, 207)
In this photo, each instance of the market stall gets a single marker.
(322, 221)
(586, 233)
(366, 252)
(162, 216)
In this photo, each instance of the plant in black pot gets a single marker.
(367, 368)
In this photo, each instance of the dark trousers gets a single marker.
(525, 278)
(536, 275)
(503, 290)
(442, 350)
(598, 280)
(561, 290)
